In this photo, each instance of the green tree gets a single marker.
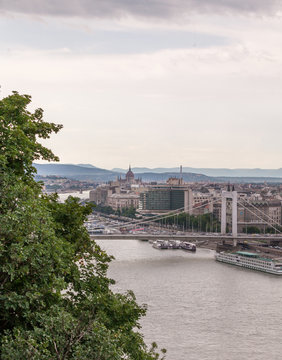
(19, 131)
(129, 212)
(55, 297)
(206, 222)
(251, 230)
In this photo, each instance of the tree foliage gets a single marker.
(126, 211)
(205, 222)
(55, 297)
(19, 131)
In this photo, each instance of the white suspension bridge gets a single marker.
(223, 236)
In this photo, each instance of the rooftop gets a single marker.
(252, 255)
(246, 253)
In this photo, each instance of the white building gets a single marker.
(120, 201)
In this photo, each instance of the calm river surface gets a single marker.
(197, 308)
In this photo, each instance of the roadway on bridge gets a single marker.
(188, 237)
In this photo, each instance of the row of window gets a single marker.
(252, 266)
(255, 262)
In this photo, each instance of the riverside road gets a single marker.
(270, 240)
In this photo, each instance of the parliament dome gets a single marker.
(129, 175)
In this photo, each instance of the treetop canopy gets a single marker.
(19, 131)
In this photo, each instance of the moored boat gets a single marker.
(185, 245)
(251, 260)
(174, 244)
(161, 244)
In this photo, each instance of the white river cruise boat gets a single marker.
(251, 261)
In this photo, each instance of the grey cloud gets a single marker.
(143, 8)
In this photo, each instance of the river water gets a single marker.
(199, 309)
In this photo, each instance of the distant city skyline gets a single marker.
(150, 83)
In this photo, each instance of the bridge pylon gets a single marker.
(224, 196)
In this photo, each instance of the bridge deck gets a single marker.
(188, 237)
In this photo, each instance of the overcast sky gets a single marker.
(151, 83)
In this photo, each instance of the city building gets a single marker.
(118, 194)
(259, 214)
(121, 201)
(99, 195)
(163, 198)
(129, 178)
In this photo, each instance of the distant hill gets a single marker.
(90, 172)
(76, 172)
(163, 177)
(193, 177)
(210, 171)
(86, 165)
(85, 172)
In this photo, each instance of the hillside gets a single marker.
(222, 172)
(76, 172)
(90, 172)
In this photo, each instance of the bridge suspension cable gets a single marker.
(260, 218)
(267, 216)
(152, 218)
(164, 216)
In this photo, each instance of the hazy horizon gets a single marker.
(155, 166)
